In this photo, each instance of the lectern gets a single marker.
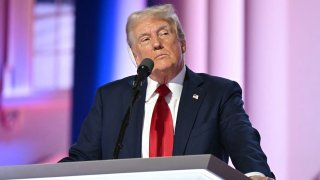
(165, 168)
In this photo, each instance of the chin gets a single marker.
(163, 66)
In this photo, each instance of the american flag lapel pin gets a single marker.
(195, 96)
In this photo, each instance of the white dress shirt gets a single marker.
(173, 99)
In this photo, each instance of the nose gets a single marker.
(157, 44)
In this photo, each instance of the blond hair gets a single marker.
(165, 12)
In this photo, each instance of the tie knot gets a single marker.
(163, 90)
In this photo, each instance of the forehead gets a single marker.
(148, 25)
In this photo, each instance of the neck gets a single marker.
(163, 77)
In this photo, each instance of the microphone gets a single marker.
(143, 71)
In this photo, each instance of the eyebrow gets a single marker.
(163, 27)
(158, 30)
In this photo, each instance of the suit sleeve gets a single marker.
(88, 145)
(241, 140)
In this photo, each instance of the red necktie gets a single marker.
(161, 129)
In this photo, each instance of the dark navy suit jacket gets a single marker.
(214, 123)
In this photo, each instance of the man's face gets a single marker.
(157, 39)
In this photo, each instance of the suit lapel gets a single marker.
(191, 97)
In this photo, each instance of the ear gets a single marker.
(133, 56)
(183, 46)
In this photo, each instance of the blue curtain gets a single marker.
(94, 54)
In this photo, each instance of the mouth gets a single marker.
(160, 56)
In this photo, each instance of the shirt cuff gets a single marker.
(254, 174)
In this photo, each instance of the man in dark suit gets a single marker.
(179, 112)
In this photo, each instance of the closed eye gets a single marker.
(144, 39)
(164, 33)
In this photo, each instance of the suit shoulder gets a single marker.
(117, 85)
(217, 81)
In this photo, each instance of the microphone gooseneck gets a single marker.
(143, 71)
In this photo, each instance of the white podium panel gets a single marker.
(198, 174)
(200, 167)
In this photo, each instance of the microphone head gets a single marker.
(145, 67)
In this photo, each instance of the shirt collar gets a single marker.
(175, 85)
